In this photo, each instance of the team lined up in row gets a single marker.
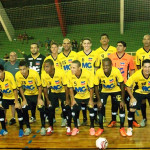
(80, 78)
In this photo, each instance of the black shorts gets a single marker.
(80, 101)
(7, 102)
(139, 98)
(31, 100)
(54, 98)
(115, 97)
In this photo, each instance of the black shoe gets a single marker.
(12, 121)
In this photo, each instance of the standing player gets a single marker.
(10, 97)
(109, 77)
(55, 79)
(53, 56)
(89, 61)
(65, 58)
(29, 84)
(142, 79)
(105, 49)
(142, 54)
(35, 61)
(81, 80)
(12, 66)
(125, 63)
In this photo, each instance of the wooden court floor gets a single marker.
(59, 140)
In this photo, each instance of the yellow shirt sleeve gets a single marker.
(119, 75)
(96, 78)
(130, 81)
(12, 82)
(44, 82)
(18, 82)
(37, 79)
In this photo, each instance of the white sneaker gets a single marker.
(32, 119)
(46, 119)
(129, 132)
(143, 123)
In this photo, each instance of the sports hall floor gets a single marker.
(59, 141)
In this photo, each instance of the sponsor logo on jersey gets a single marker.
(148, 82)
(6, 85)
(82, 82)
(57, 82)
(122, 64)
(30, 82)
(37, 63)
(6, 91)
(90, 59)
(111, 81)
(86, 65)
(70, 60)
(56, 87)
(67, 67)
(80, 89)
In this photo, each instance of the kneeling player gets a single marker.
(109, 77)
(142, 80)
(10, 97)
(81, 80)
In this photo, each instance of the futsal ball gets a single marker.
(101, 143)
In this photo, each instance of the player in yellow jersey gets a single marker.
(89, 61)
(53, 56)
(55, 80)
(10, 97)
(105, 49)
(81, 81)
(109, 77)
(142, 91)
(67, 56)
(141, 54)
(29, 84)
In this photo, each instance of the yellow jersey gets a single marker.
(56, 83)
(66, 61)
(56, 62)
(30, 84)
(8, 85)
(109, 84)
(82, 84)
(107, 52)
(141, 54)
(142, 85)
(88, 61)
